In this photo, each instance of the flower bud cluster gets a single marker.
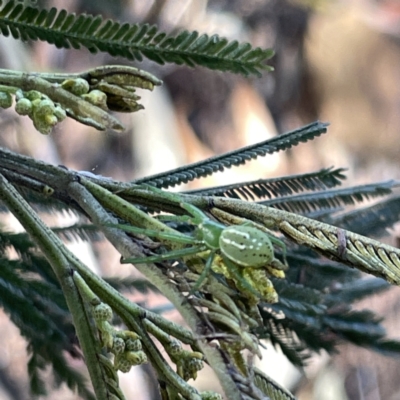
(125, 345)
(80, 87)
(44, 113)
(188, 362)
(127, 350)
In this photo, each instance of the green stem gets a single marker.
(123, 209)
(121, 74)
(8, 89)
(54, 251)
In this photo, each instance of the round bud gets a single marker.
(102, 312)
(122, 364)
(129, 335)
(76, 86)
(174, 348)
(42, 127)
(23, 106)
(35, 104)
(60, 113)
(195, 365)
(33, 95)
(51, 119)
(6, 100)
(191, 368)
(133, 345)
(136, 357)
(97, 98)
(118, 345)
(43, 108)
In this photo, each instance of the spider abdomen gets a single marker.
(246, 246)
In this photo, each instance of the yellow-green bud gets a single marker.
(33, 95)
(35, 104)
(23, 106)
(118, 345)
(43, 108)
(136, 357)
(51, 119)
(6, 100)
(195, 365)
(78, 86)
(42, 126)
(174, 348)
(60, 113)
(133, 345)
(97, 98)
(102, 312)
(122, 363)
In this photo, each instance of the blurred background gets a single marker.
(337, 61)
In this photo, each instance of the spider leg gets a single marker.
(281, 244)
(171, 255)
(173, 218)
(204, 273)
(197, 214)
(234, 272)
(172, 236)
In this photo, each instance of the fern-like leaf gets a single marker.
(43, 203)
(324, 331)
(207, 167)
(372, 220)
(63, 373)
(132, 41)
(359, 327)
(35, 365)
(320, 319)
(38, 308)
(27, 302)
(330, 199)
(85, 232)
(299, 297)
(270, 388)
(39, 201)
(29, 320)
(283, 337)
(72, 233)
(315, 272)
(353, 291)
(276, 187)
(25, 249)
(389, 348)
(310, 336)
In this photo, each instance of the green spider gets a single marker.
(245, 245)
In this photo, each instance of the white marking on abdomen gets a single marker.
(233, 243)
